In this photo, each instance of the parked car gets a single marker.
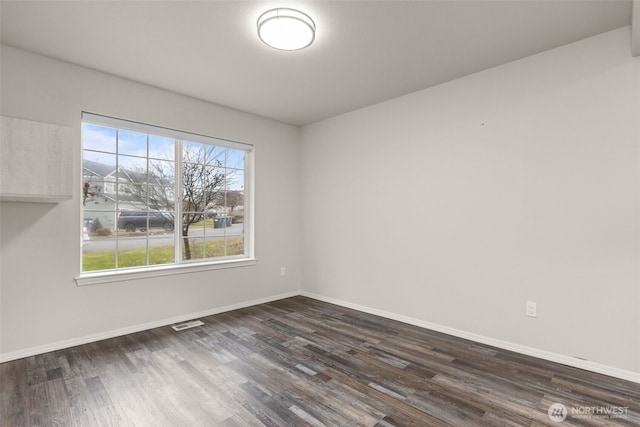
(132, 220)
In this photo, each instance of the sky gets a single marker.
(129, 150)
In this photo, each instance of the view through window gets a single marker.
(153, 196)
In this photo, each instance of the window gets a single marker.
(155, 197)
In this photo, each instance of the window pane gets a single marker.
(161, 250)
(95, 163)
(161, 147)
(132, 169)
(191, 185)
(162, 172)
(98, 175)
(194, 221)
(234, 203)
(192, 151)
(160, 221)
(99, 138)
(235, 159)
(212, 178)
(132, 252)
(193, 248)
(94, 196)
(99, 253)
(234, 246)
(160, 198)
(99, 223)
(235, 179)
(131, 221)
(214, 156)
(132, 196)
(132, 143)
(215, 248)
(188, 195)
(216, 226)
(198, 229)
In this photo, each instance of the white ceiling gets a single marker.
(365, 51)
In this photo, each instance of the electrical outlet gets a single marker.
(532, 309)
(283, 271)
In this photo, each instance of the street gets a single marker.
(157, 238)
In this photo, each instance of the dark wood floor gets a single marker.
(299, 362)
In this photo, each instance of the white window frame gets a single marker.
(179, 267)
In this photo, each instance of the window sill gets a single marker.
(159, 271)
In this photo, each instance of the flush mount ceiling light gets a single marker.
(286, 29)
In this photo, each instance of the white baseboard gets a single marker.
(505, 345)
(32, 351)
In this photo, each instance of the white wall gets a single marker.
(457, 204)
(40, 254)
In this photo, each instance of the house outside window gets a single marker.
(155, 197)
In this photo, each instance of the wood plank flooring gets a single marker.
(302, 362)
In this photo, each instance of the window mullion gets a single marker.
(117, 193)
(248, 203)
(177, 204)
(148, 189)
(226, 189)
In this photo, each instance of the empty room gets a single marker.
(320, 213)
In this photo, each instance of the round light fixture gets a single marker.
(286, 29)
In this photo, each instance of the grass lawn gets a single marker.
(162, 255)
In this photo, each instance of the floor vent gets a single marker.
(187, 325)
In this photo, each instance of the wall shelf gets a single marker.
(35, 161)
